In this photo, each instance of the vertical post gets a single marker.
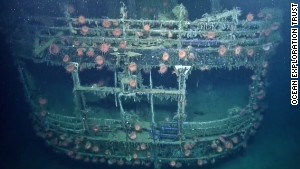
(179, 105)
(80, 104)
(80, 95)
(153, 125)
(76, 83)
(115, 85)
(180, 26)
(68, 19)
(151, 100)
(123, 116)
(183, 75)
(25, 79)
(121, 106)
(123, 14)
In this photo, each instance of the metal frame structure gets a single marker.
(210, 42)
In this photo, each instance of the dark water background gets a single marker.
(276, 145)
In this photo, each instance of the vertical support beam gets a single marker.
(151, 100)
(126, 117)
(76, 83)
(26, 81)
(183, 72)
(80, 104)
(124, 122)
(115, 85)
(179, 105)
(157, 165)
(123, 14)
(68, 19)
(121, 106)
(180, 25)
(81, 100)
